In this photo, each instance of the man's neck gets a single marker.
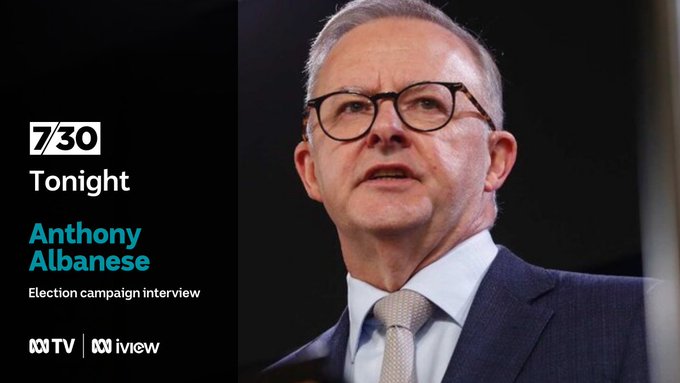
(389, 261)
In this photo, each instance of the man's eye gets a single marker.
(353, 107)
(426, 103)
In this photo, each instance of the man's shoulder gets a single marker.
(568, 292)
(604, 296)
(578, 282)
(311, 361)
(316, 349)
(613, 284)
(587, 319)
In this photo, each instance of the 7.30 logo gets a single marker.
(65, 138)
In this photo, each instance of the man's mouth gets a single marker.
(389, 172)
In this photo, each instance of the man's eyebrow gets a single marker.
(352, 88)
(368, 91)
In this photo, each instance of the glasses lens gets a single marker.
(426, 106)
(345, 115)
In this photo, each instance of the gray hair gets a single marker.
(358, 12)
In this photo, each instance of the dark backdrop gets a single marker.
(571, 70)
(156, 74)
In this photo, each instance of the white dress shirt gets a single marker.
(450, 283)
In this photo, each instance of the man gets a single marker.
(403, 143)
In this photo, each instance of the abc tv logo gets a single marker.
(98, 346)
(57, 345)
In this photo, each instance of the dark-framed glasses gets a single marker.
(423, 107)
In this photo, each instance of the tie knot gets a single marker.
(403, 308)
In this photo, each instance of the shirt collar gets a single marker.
(450, 283)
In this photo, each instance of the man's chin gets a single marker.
(389, 216)
(390, 225)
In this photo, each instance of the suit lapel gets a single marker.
(504, 322)
(321, 360)
(337, 349)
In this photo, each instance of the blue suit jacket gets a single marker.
(526, 324)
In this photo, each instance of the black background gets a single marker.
(571, 72)
(158, 75)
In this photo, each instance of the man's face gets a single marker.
(395, 179)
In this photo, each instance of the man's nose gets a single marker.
(388, 130)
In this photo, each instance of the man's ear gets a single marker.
(503, 151)
(306, 170)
